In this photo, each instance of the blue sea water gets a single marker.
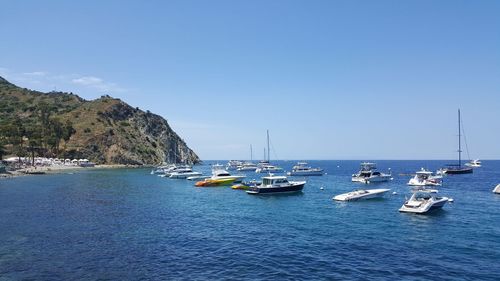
(126, 224)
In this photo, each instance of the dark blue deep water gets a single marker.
(126, 224)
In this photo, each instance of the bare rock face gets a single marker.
(107, 130)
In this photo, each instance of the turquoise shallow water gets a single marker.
(126, 224)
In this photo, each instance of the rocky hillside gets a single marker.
(106, 130)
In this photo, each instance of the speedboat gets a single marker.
(269, 169)
(302, 169)
(360, 194)
(497, 189)
(167, 170)
(276, 184)
(247, 166)
(425, 177)
(220, 177)
(246, 185)
(369, 174)
(476, 163)
(218, 173)
(423, 201)
(184, 173)
(214, 182)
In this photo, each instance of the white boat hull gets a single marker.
(184, 175)
(361, 194)
(424, 206)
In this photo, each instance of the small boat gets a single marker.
(184, 173)
(423, 201)
(302, 169)
(497, 189)
(456, 169)
(276, 184)
(214, 182)
(233, 165)
(476, 163)
(424, 178)
(247, 166)
(265, 169)
(369, 174)
(246, 185)
(361, 194)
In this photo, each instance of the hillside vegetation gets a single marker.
(105, 130)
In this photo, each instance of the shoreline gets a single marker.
(44, 170)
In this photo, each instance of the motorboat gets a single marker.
(497, 189)
(369, 174)
(247, 166)
(269, 169)
(455, 169)
(361, 194)
(423, 201)
(160, 170)
(476, 163)
(424, 178)
(214, 182)
(167, 170)
(276, 184)
(246, 185)
(218, 172)
(220, 177)
(233, 165)
(303, 169)
(184, 173)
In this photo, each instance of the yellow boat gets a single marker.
(215, 182)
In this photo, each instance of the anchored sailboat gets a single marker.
(458, 168)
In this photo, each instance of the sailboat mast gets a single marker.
(459, 142)
(268, 158)
(251, 154)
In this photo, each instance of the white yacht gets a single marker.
(424, 178)
(361, 194)
(423, 201)
(276, 184)
(183, 173)
(219, 173)
(476, 163)
(369, 174)
(268, 169)
(247, 166)
(233, 164)
(303, 169)
(497, 189)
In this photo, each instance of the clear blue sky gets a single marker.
(329, 79)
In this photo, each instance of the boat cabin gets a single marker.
(274, 181)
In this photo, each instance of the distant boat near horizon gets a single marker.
(369, 174)
(455, 169)
(476, 163)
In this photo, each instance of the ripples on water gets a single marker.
(130, 225)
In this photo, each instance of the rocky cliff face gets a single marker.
(106, 130)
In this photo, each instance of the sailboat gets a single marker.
(458, 168)
(248, 166)
(265, 166)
